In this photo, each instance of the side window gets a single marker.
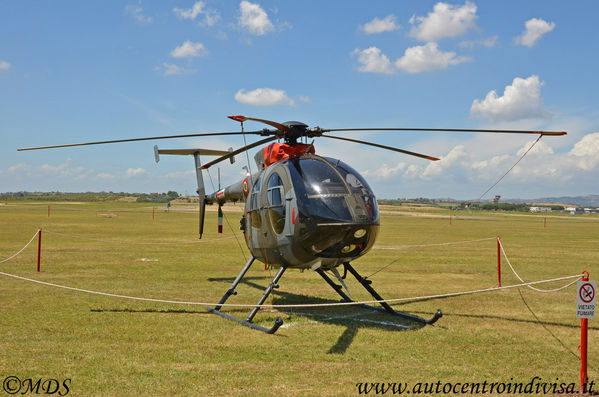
(276, 207)
(255, 217)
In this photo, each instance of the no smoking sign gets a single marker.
(587, 299)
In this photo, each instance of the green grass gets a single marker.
(110, 346)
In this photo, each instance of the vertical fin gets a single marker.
(201, 192)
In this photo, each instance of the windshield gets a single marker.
(331, 191)
(318, 178)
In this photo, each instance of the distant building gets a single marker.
(539, 209)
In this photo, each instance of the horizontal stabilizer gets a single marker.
(190, 152)
(201, 152)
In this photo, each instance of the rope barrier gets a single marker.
(530, 286)
(134, 242)
(21, 250)
(395, 300)
(387, 247)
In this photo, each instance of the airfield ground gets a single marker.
(111, 346)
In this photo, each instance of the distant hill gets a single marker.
(589, 200)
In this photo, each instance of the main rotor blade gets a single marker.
(142, 139)
(278, 126)
(383, 147)
(550, 133)
(236, 152)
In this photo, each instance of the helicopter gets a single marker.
(302, 210)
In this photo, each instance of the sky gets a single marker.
(73, 71)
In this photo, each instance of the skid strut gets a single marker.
(248, 321)
(366, 284)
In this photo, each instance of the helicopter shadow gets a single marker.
(351, 317)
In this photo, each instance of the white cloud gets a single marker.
(54, 169)
(4, 66)
(211, 16)
(264, 97)
(535, 29)
(21, 167)
(488, 168)
(473, 166)
(254, 19)
(189, 49)
(105, 175)
(586, 151)
(387, 24)
(305, 99)
(437, 168)
(373, 61)
(169, 69)
(540, 148)
(131, 172)
(136, 12)
(386, 172)
(487, 42)
(180, 174)
(521, 100)
(445, 20)
(427, 57)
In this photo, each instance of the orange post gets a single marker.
(48, 210)
(450, 219)
(39, 248)
(545, 223)
(584, 329)
(152, 213)
(498, 262)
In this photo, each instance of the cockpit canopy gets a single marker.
(330, 191)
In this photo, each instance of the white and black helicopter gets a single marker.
(302, 210)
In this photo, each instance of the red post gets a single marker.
(450, 219)
(152, 213)
(39, 248)
(545, 223)
(48, 210)
(584, 329)
(498, 262)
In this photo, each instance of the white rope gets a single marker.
(134, 242)
(21, 250)
(386, 247)
(530, 286)
(415, 298)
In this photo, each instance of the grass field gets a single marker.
(113, 347)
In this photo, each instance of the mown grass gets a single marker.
(110, 346)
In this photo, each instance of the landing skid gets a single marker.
(274, 284)
(366, 284)
(248, 321)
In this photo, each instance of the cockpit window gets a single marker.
(274, 190)
(353, 178)
(319, 178)
(276, 210)
(256, 221)
(359, 186)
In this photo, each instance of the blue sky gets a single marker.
(73, 71)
